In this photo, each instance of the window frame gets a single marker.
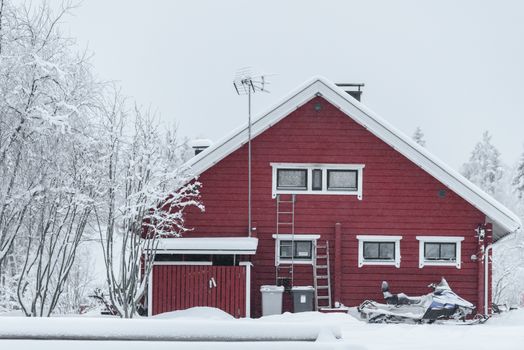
(324, 168)
(379, 239)
(440, 258)
(457, 240)
(294, 249)
(379, 244)
(296, 238)
(329, 188)
(313, 187)
(294, 188)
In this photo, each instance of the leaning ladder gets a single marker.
(322, 277)
(286, 222)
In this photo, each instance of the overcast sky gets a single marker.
(453, 68)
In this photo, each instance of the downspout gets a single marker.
(250, 227)
(486, 277)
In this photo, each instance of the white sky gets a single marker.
(453, 68)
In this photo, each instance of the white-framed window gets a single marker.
(439, 251)
(297, 249)
(296, 178)
(378, 250)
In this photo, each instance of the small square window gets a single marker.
(440, 251)
(295, 179)
(379, 251)
(286, 249)
(302, 250)
(342, 180)
(317, 180)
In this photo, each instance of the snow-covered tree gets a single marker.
(46, 186)
(58, 218)
(518, 178)
(146, 193)
(484, 167)
(508, 270)
(418, 136)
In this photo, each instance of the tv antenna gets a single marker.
(246, 83)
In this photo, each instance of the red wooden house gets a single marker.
(330, 178)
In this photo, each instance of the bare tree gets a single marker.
(146, 195)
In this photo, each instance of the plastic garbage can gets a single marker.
(271, 300)
(303, 298)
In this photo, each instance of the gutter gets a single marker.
(486, 277)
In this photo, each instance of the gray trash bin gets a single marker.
(303, 298)
(271, 300)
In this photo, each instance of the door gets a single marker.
(179, 287)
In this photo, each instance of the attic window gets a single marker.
(316, 184)
(329, 179)
(342, 180)
(293, 179)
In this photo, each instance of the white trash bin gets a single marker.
(271, 299)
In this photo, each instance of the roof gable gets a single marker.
(319, 86)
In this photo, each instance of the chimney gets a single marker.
(354, 89)
(200, 145)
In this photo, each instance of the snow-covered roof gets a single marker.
(505, 221)
(200, 143)
(215, 245)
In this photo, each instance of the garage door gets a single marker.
(178, 287)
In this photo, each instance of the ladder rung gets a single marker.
(286, 201)
(323, 277)
(323, 297)
(285, 212)
(322, 266)
(321, 256)
(284, 223)
(322, 287)
(321, 246)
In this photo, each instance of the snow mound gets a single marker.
(312, 316)
(201, 312)
(510, 318)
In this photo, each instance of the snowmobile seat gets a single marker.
(397, 299)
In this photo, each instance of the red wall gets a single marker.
(399, 198)
(177, 287)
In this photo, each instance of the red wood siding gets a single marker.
(399, 198)
(178, 287)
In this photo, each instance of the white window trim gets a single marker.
(439, 239)
(378, 238)
(324, 167)
(297, 237)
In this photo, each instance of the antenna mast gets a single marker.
(246, 83)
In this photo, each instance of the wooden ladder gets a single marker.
(322, 276)
(285, 222)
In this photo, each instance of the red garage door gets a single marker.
(178, 287)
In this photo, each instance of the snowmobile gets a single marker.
(441, 304)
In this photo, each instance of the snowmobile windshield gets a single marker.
(442, 286)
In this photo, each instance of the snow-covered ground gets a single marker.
(190, 327)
